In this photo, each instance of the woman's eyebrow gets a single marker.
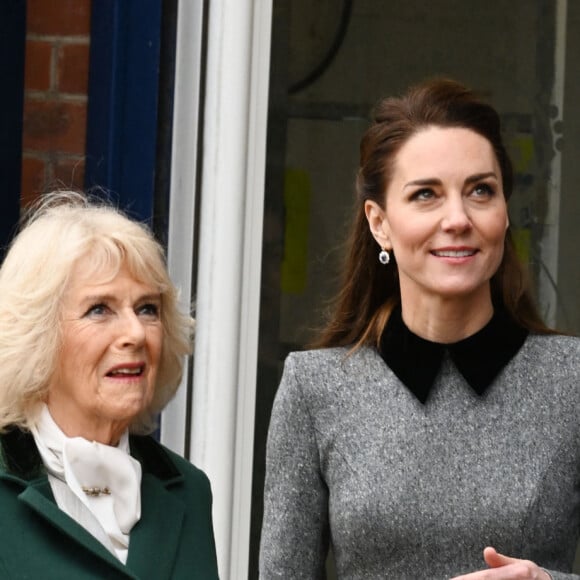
(480, 176)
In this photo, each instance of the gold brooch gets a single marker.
(96, 491)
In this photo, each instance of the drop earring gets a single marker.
(384, 257)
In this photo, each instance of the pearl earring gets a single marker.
(384, 257)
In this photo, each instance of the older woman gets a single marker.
(436, 433)
(91, 349)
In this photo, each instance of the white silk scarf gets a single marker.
(105, 480)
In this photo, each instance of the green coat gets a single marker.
(173, 540)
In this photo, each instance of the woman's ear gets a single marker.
(378, 223)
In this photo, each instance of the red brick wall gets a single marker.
(55, 95)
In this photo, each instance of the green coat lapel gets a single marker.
(159, 542)
(38, 496)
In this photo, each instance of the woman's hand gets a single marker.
(503, 568)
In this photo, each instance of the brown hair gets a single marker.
(369, 290)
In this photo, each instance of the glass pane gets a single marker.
(331, 61)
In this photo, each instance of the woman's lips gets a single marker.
(127, 370)
(446, 253)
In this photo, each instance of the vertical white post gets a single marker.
(228, 290)
(186, 104)
(548, 296)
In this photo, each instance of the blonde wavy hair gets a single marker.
(63, 228)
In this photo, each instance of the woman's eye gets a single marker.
(150, 310)
(423, 195)
(97, 310)
(483, 190)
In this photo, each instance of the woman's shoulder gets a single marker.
(322, 358)
(185, 466)
(329, 368)
(555, 345)
(164, 463)
(558, 338)
(554, 356)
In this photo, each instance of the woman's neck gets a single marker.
(101, 431)
(446, 320)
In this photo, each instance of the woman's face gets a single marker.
(107, 367)
(445, 215)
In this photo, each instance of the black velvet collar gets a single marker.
(21, 458)
(479, 357)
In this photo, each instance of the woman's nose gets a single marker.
(131, 330)
(455, 216)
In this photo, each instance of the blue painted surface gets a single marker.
(123, 102)
(12, 43)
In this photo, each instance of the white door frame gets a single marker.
(230, 251)
(184, 164)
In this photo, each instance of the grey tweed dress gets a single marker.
(403, 490)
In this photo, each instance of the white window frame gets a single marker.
(227, 295)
